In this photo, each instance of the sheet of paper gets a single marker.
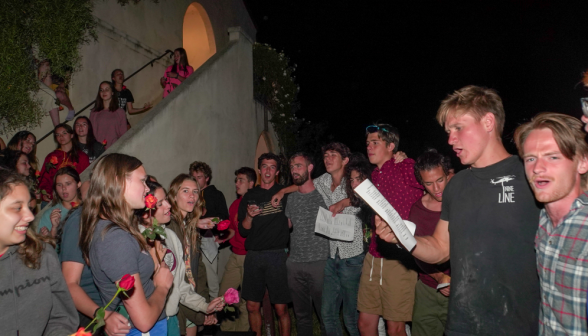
(341, 227)
(443, 285)
(372, 196)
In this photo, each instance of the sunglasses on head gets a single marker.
(374, 129)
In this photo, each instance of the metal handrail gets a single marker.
(126, 79)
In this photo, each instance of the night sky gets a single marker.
(394, 61)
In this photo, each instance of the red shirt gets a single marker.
(398, 185)
(237, 242)
(62, 159)
(426, 221)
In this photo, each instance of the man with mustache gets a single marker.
(491, 214)
(308, 250)
(556, 161)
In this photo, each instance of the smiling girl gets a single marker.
(182, 292)
(35, 299)
(66, 154)
(108, 119)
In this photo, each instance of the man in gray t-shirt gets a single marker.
(308, 250)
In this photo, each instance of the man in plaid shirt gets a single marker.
(556, 161)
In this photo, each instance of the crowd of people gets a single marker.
(515, 264)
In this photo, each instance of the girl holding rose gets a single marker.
(182, 292)
(186, 208)
(113, 246)
(66, 193)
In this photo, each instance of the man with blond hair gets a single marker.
(492, 216)
(556, 161)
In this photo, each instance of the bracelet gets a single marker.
(96, 311)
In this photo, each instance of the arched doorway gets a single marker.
(264, 145)
(198, 36)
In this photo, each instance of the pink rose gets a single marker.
(223, 225)
(231, 296)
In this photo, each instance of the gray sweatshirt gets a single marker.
(35, 301)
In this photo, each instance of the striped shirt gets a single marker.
(562, 263)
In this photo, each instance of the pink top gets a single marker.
(172, 83)
(237, 242)
(398, 185)
(108, 126)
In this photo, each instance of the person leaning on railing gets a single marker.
(177, 73)
(108, 119)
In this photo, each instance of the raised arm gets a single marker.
(72, 272)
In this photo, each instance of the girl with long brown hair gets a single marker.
(66, 196)
(31, 282)
(85, 138)
(113, 246)
(186, 209)
(109, 121)
(177, 73)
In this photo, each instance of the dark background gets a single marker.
(394, 61)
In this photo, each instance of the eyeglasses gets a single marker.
(375, 128)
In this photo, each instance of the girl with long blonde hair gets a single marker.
(113, 246)
(186, 209)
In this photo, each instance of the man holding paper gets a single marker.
(389, 274)
(308, 250)
(492, 216)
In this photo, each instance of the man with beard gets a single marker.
(556, 160)
(267, 234)
(308, 251)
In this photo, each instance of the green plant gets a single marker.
(38, 29)
(274, 86)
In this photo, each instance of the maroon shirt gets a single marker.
(398, 185)
(426, 221)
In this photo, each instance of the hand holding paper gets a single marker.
(392, 228)
(384, 231)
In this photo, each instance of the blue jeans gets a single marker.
(159, 329)
(340, 287)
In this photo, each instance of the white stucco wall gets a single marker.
(211, 117)
(130, 36)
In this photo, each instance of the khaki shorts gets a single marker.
(386, 288)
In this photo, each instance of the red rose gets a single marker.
(150, 201)
(127, 282)
(82, 332)
(223, 225)
(37, 173)
(53, 160)
(104, 142)
(74, 204)
(231, 296)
